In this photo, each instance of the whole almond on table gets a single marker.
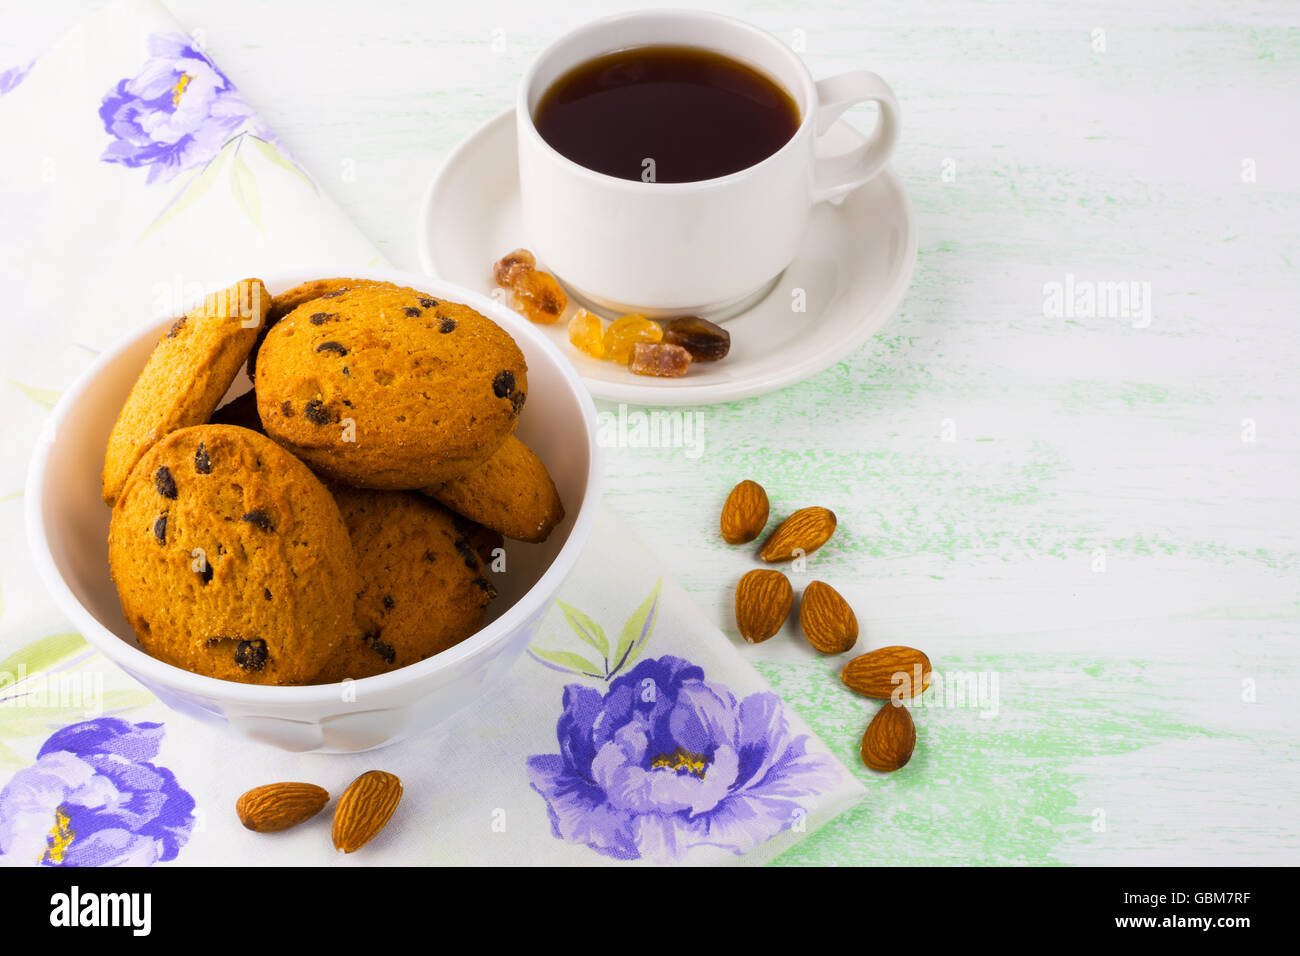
(803, 532)
(745, 513)
(278, 806)
(827, 621)
(763, 599)
(366, 805)
(888, 670)
(890, 739)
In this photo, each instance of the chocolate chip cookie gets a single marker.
(190, 369)
(389, 388)
(231, 559)
(290, 299)
(511, 492)
(423, 586)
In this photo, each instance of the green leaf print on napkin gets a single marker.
(189, 194)
(45, 397)
(34, 696)
(278, 158)
(572, 663)
(243, 184)
(636, 632)
(27, 721)
(38, 655)
(631, 641)
(587, 629)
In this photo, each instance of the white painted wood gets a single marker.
(1034, 148)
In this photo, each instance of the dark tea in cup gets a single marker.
(668, 114)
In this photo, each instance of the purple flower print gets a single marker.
(93, 798)
(9, 79)
(176, 113)
(666, 760)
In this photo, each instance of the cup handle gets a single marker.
(840, 175)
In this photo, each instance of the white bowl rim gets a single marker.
(136, 661)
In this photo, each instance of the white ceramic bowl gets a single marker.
(67, 527)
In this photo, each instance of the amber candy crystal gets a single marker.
(534, 293)
(625, 332)
(538, 296)
(659, 359)
(504, 269)
(587, 333)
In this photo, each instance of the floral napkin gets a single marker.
(134, 175)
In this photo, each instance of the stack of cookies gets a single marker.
(344, 517)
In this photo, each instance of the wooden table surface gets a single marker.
(1088, 515)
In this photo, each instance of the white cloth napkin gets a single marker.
(135, 176)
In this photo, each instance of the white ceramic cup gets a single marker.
(712, 247)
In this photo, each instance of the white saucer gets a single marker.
(854, 265)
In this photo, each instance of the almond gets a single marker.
(800, 534)
(763, 599)
(364, 808)
(278, 806)
(745, 513)
(887, 671)
(890, 738)
(826, 619)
